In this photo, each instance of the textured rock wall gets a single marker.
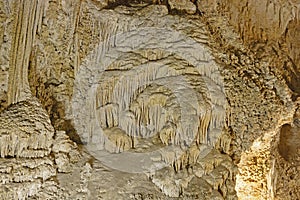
(265, 22)
(268, 21)
(150, 77)
(268, 28)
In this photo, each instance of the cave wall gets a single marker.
(268, 22)
(254, 46)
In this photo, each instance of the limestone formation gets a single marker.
(183, 6)
(26, 139)
(172, 99)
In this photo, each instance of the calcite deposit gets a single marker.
(173, 99)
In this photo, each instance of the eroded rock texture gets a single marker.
(168, 99)
(26, 139)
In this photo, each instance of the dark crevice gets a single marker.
(198, 11)
(288, 146)
(292, 77)
(43, 90)
(128, 3)
(58, 121)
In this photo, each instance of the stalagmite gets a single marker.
(20, 135)
(26, 137)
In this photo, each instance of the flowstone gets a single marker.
(132, 100)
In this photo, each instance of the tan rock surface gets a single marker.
(131, 100)
(183, 6)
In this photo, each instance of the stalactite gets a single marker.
(150, 111)
(271, 180)
(223, 142)
(118, 140)
(163, 91)
(167, 134)
(204, 124)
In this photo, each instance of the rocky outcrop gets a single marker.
(161, 100)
